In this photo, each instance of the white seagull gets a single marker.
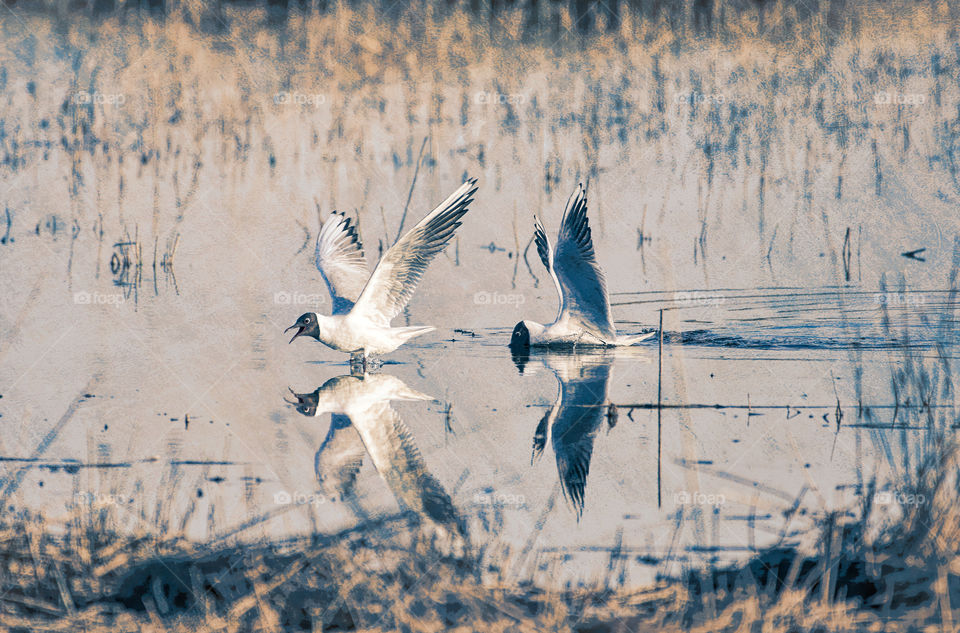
(364, 304)
(584, 315)
(575, 418)
(364, 423)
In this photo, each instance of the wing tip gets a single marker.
(576, 202)
(349, 227)
(581, 194)
(460, 201)
(470, 184)
(337, 226)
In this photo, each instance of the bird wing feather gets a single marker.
(339, 258)
(395, 278)
(578, 274)
(545, 250)
(579, 417)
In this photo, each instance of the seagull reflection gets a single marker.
(363, 422)
(575, 417)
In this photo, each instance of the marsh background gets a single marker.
(757, 170)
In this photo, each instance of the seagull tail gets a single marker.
(407, 333)
(408, 393)
(633, 340)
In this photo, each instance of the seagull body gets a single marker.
(575, 418)
(364, 423)
(365, 303)
(584, 316)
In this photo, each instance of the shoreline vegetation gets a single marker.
(538, 20)
(791, 141)
(389, 575)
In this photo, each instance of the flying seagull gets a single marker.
(364, 304)
(363, 423)
(575, 418)
(584, 315)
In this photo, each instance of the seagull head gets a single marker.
(306, 325)
(525, 334)
(305, 403)
(520, 339)
(520, 342)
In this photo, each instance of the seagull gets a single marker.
(584, 314)
(363, 423)
(364, 303)
(575, 418)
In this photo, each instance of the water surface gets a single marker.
(775, 407)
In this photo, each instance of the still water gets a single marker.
(775, 406)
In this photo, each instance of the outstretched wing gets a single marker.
(340, 456)
(401, 268)
(583, 388)
(396, 457)
(340, 260)
(579, 276)
(540, 436)
(545, 251)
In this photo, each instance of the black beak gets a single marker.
(298, 400)
(299, 332)
(305, 403)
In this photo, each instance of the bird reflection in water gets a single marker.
(363, 423)
(576, 416)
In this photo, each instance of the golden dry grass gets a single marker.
(390, 577)
(330, 110)
(200, 109)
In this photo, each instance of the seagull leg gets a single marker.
(355, 361)
(579, 338)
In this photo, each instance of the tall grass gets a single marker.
(389, 576)
(752, 132)
(767, 142)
